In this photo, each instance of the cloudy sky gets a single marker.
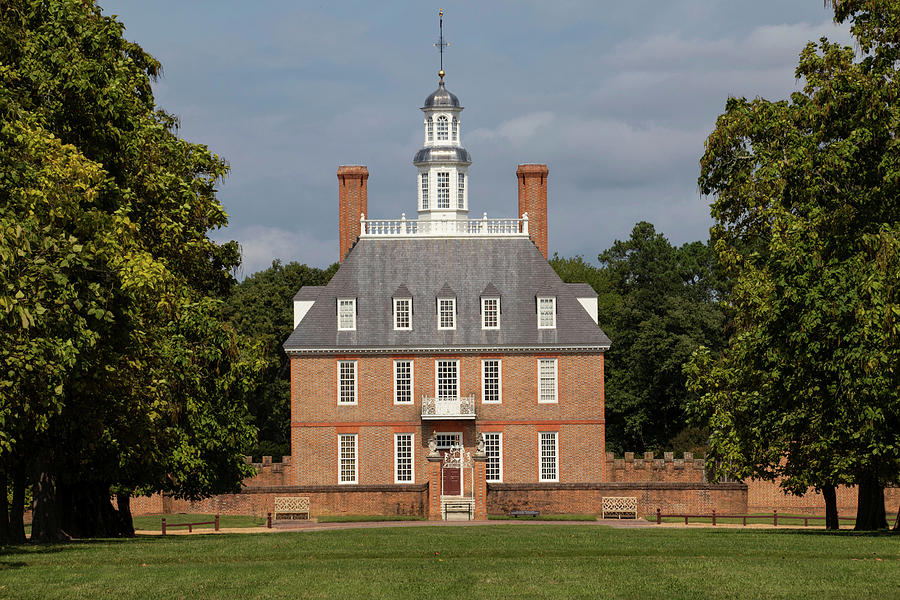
(615, 97)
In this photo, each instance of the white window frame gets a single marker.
(437, 362)
(443, 190)
(340, 400)
(484, 394)
(452, 301)
(344, 302)
(455, 129)
(442, 129)
(447, 434)
(340, 470)
(499, 456)
(412, 457)
(551, 323)
(555, 363)
(408, 302)
(461, 191)
(423, 178)
(429, 129)
(412, 378)
(554, 436)
(484, 302)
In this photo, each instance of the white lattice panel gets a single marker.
(619, 506)
(291, 505)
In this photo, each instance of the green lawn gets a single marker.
(153, 522)
(366, 518)
(495, 561)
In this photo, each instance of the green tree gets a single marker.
(122, 376)
(808, 226)
(657, 303)
(261, 308)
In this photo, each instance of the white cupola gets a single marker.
(443, 180)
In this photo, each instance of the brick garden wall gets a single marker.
(586, 498)
(648, 468)
(765, 496)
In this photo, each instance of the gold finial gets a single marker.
(441, 44)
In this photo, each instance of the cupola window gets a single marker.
(424, 178)
(443, 189)
(460, 190)
(430, 129)
(455, 129)
(442, 128)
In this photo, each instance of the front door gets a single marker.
(451, 483)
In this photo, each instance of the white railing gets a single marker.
(450, 227)
(462, 407)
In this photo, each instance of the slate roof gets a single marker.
(309, 292)
(427, 268)
(582, 290)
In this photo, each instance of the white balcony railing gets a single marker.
(483, 227)
(462, 407)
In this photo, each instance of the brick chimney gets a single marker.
(533, 200)
(351, 203)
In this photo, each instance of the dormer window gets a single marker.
(490, 313)
(446, 313)
(346, 314)
(403, 313)
(429, 129)
(455, 129)
(546, 307)
(424, 179)
(442, 128)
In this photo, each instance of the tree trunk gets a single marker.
(17, 508)
(831, 511)
(4, 510)
(123, 501)
(870, 504)
(45, 524)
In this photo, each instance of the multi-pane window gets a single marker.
(460, 190)
(547, 380)
(490, 380)
(446, 440)
(493, 448)
(490, 313)
(403, 381)
(442, 128)
(347, 466)
(424, 179)
(403, 458)
(402, 313)
(455, 129)
(546, 313)
(346, 313)
(447, 378)
(446, 313)
(549, 456)
(430, 129)
(443, 189)
(346, 382)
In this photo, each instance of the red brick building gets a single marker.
(445, 354)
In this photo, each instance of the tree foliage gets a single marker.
(261, 308)
(807, 224)
(657, 303)
(121, 374)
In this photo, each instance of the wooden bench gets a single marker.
(291, 507)
(524, 513)
(619, 507)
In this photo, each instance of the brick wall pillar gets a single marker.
(532, 184)
(479, 464)
(434, 488)
(352, 199)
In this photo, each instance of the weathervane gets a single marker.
(441, 44)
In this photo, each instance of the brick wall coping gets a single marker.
(638, 485)
(330, 489)
(448, 350)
